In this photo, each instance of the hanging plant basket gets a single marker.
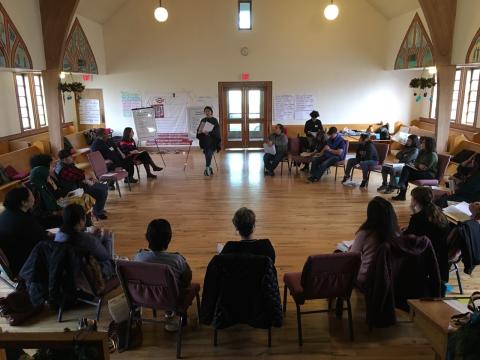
(422, 83)
(75, 87)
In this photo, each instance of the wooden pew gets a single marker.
(20, 160)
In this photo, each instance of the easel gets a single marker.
(159, 152)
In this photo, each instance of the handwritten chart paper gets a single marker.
(284, 107)
(130, 101)
(89, 111)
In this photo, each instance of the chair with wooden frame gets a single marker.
(328, 277)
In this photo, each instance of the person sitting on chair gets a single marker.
(244, 222)
(380, 226)
(330, 155)
(71, 178)
(159, 235)
(426, 167)
(367, 156)
(406, 156)
(19, 229)
(95, 242)
(129, 148)
(109, 152)
(280, 140)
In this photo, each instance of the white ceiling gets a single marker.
(393, 8)
(99, 10)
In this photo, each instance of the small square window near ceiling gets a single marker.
(245, 15)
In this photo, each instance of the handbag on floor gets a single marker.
(117, 333)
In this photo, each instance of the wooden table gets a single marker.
(433, 318)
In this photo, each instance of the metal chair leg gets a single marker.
(215, 337)
(129, 325)
(138, 171)
(299, 326)
(459, 280)
(128, 183)
(350, 321)
(118, 188)
(269, 337)
(336, 171)
(99, 308)
(179, 337)
(285, 299)
(60, 314)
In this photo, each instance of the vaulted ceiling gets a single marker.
(102, 10)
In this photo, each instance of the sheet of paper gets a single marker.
(208, 127)
(269, 149)
(457, 305)
(459, 212)
(284, 108)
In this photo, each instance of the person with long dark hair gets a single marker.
(19, 229)
(428, 220)
(406, 156)
(380, 226)
(425, 167)
(129, 148)
(210, 140)
(96, 242)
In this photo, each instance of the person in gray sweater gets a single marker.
(280, 140)
(406, 156)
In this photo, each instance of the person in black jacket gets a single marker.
(312, 127)
(244, 222)
(406, 156)
(366, 156)
(209, 140)
(19, 229)
(109, 152)
(428, 220)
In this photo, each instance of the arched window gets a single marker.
(13, 51)
(416, 50)
(78, 56)
(473, 54)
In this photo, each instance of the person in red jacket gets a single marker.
(129, 148)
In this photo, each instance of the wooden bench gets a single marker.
(20, 160)
(79, 143)
(297, 130)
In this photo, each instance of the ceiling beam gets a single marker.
(56, 19)
(440, 15)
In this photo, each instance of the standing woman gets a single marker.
(209, 140)
(129, 148)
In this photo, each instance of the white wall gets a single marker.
(466, 26)
(9, 118)
(342, 63)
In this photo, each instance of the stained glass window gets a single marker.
(473, 54)
(416, 50)
(13, 51)
(78, 56)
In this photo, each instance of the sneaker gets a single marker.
(345, 179)
(363, 184)
(171, 323)
(206, 173)
(313, 179)
(157, 168)
(383, 188)
(349, 183)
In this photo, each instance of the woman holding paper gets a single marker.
(276, 148)
(208, 133)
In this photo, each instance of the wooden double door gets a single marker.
(245, 110)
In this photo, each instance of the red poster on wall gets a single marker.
(159, 106)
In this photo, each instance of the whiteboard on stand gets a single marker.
(145, 124)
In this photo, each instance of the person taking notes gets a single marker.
(279, 141)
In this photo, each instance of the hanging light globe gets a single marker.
(331, 11)
(161, 14)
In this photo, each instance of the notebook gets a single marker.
(459, 212)
(269, 149)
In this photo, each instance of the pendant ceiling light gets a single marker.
(161, 14)
(331, 11)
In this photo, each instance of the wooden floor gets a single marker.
(299, 218)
